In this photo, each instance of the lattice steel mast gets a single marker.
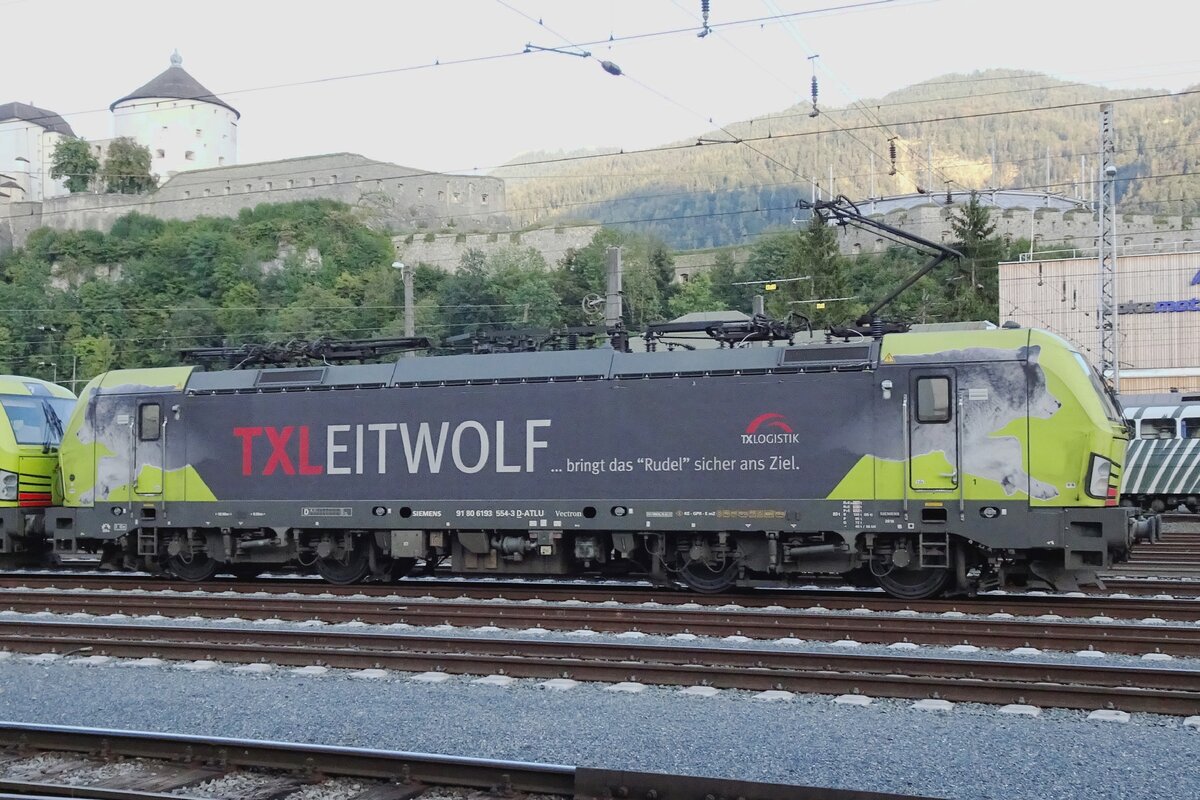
(1106, 315)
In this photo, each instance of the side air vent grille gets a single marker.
(826, 355)
(290, 377)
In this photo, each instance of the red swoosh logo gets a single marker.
(769, 420)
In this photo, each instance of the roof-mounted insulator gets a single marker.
(815, 111)
(705, 31)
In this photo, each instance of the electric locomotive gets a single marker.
(925, 462)
(32, 416)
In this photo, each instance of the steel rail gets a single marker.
(1156, 569)
(404, 771)
(1018, 604)
(1185, 587)
(1163, 691)
(878, 629)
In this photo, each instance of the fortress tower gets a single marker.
(185, 125)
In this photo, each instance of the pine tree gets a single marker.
(977, 278)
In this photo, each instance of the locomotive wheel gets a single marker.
(200, 567)
(351, 568)
(915, 583)
(400, 567)
(701, 577)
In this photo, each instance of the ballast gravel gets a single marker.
(971, 751)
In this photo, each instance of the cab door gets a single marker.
(933, 431)
(148, 449)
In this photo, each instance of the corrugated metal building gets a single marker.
(1158, 323)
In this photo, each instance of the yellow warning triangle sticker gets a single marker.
(889, 359)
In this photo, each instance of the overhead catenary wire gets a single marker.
(815, 60)
(746, 141)
(611, 40)
(558, 206)
(163, 339)
(654, 91)
(776, 17)
(789, 208)
(615, 40)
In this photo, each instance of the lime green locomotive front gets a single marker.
(925, 463)
(32, 415)
(1013, 446)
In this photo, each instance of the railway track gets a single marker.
(1135, 582)
(1165, 606)
(722, 621)
(1131, 689)
(584, 591)
(38, 761)
(1176, 554)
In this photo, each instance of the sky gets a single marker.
(287, 66)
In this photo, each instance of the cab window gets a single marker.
(36, 420)
(933, 399)
(148, 422)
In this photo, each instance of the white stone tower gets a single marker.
(184, 124)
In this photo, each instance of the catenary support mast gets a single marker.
(1107, 312)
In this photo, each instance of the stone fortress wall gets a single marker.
(445, 250)
(392, 197)
(1049, 228)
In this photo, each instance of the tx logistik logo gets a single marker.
(783, 433)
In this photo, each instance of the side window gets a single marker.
(149, 422)
(1158, 428)
(933, 399)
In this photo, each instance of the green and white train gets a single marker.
(1163, 462)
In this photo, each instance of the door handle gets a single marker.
(951, 475)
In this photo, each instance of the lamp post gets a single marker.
(406, 275)
(53, 364)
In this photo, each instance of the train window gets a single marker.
(1158, 429)
(933, 399)
(1189, 428)
(149, 420)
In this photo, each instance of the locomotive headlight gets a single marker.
(8, 485)
(1097, 480)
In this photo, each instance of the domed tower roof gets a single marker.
(175, 83)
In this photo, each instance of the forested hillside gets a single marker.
(73, 304)
(975, 126)
(82, 301)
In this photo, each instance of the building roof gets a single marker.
(38, 116)
(301, 167)
(175, 83)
